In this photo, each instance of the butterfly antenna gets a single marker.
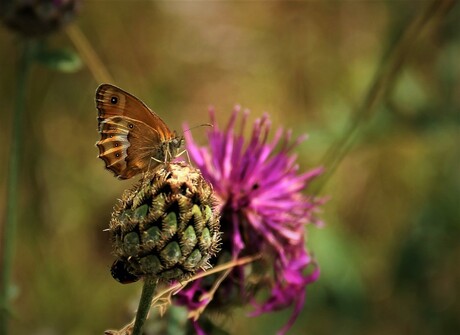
(200, 125)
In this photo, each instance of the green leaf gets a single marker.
(63, 60)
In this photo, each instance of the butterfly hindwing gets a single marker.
(114, 144)
(127, 146)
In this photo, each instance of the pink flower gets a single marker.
(264, 210)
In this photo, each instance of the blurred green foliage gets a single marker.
(389, 250)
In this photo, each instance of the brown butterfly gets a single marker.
(133, 138)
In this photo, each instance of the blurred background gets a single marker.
(389, 252)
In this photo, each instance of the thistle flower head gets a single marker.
(33, 18)
(264, 210)
(166, 226)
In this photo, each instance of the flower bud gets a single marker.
(165, 226)
(34, 18)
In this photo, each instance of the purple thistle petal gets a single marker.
(263, 211)
(198, 329)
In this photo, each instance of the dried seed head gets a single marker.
(33, 18)
(165, 226)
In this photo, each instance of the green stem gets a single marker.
(9, 230)
(148, 290)
(384, 80)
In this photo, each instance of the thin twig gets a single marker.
(174, 289)
(90, 57)
(384, 80)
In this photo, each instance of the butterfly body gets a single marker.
(133, 138)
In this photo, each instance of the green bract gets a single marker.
(165, 226)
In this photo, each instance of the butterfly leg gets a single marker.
(157, 160)
(186, 153)
(168, 156)
(150, 165)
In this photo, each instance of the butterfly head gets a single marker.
(178, 141)
(172, 147)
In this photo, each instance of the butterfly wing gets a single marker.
(113, 101)
(131, 134)
(127, 146)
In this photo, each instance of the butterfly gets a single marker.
(134, 139)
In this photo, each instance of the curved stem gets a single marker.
(9, 230)
(89, 55)
(148, 290)
(383, 82)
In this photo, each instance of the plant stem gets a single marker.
(148, 290)
(10, 227)
(383, 82)
(89, 55)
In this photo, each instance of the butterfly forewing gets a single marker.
(133, 137)
(113, 101)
